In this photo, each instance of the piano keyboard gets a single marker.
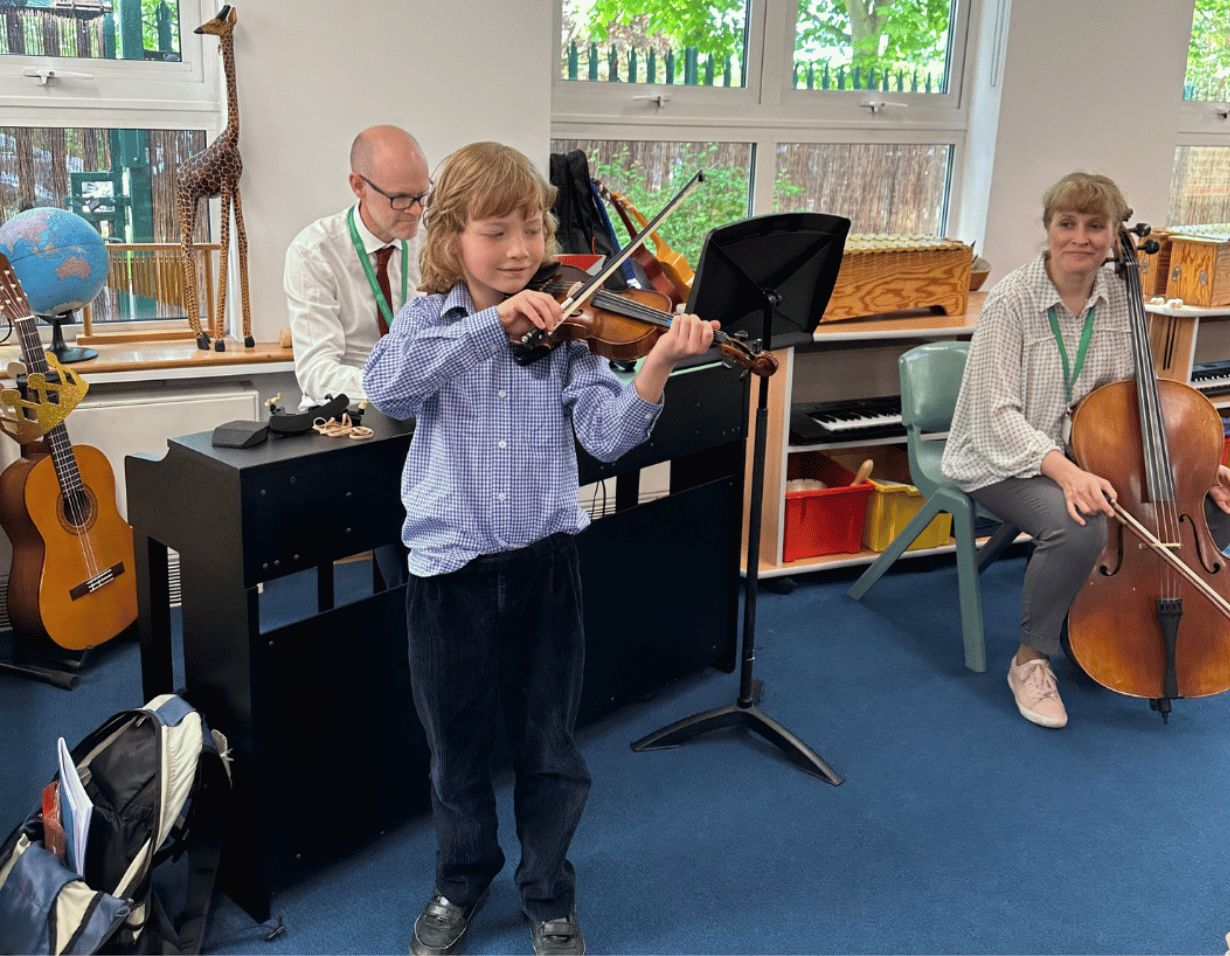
(1211, 377)
(845, 420)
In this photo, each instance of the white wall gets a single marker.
(312, 74)
(1091, 85)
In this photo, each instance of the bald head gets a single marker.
(380, 145)
(386, 165)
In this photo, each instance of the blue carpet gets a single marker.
(961, 828)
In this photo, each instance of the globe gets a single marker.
(59, 258)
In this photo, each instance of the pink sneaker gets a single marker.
(1037, 692)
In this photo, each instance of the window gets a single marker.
(1200, 179)
(649, 174)
(1200, 186)
(101, 101)
(110, 29)
(887, 189)
(1208, 57)
(122, 180)
(654, 43)
(898, 48)
(853, 108)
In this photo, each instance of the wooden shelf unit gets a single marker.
(854, 359)
(1185, 336)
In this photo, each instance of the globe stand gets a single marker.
(63, 353)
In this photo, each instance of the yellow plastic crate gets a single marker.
(890, 509)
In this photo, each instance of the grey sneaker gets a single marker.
(1037, 692)
(441, 925)
(558, 937)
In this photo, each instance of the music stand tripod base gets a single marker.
(750, 717)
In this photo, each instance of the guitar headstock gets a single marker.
(12, 296)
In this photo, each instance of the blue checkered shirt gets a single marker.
(493, 464)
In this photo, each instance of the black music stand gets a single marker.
(756, 277)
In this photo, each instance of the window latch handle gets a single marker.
(45, 73)
(660, 99)
(877, 106)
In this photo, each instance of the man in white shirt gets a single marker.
(342, 291)
(336, 276)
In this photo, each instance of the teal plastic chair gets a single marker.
(930, 382)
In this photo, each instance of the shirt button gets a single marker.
(649, 416)
(501, 496)
(502, 393)
(502, 444)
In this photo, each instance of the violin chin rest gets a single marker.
(529, 354)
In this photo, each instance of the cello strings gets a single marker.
(1159, 474)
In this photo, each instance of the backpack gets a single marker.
(583, 223)
(158, 779)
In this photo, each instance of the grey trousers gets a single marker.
(1064, 551)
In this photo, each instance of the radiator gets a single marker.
(137, 420)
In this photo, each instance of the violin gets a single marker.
(622, 325)
(670, 263)
(1153, 620)
(655, 271)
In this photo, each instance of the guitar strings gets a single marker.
(63, 460)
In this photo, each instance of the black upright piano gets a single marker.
(327, 750)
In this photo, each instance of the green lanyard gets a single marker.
(371, 273)
(1086, 335)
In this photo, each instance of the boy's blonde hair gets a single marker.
(1086, 193)
(479, 181)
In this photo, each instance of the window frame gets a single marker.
(769, 111)
(188, 84)
(126, 94)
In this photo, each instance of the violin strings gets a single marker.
(630, 308)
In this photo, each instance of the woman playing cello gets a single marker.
(1050, 333)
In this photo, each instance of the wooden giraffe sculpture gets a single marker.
(214, 172)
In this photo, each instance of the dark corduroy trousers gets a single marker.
(505, 632)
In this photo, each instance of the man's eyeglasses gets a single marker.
(401, 201)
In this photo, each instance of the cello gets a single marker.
(1153, 620)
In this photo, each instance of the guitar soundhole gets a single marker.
(78, 511)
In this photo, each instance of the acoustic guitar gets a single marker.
(72, 576)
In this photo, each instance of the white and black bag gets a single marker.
(158, 779)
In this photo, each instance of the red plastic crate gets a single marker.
(828, 521)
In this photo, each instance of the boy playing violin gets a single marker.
(493, 604)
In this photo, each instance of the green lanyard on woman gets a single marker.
(371, 273)
(1070, 377)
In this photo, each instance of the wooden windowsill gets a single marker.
(135, 361)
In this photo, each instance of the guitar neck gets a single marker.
(58, 443)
